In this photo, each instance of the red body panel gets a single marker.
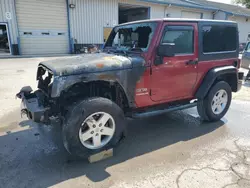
(174, 79)
(205, 66)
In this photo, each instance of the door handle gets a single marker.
(192, 62)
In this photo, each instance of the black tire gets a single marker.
(204, 106)
(76, 116)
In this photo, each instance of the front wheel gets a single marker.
(216, 104)
(92, 126)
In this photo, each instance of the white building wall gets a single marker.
(220, 15)
(157, 11)
(244, 27)
(172, 12)
(89, 17)
(176, 12)
(207, 15)
(9, 6)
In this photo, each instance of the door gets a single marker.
(43, 26)
(246, 57)
(173, 78)
(4, 40)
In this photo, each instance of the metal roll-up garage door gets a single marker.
(43, 26)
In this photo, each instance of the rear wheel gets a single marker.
(216, 104)
(92, 126)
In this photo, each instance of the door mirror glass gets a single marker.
(166, 50)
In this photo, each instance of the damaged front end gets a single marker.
(37, 105)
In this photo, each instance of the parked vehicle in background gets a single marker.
(245, 60)
(146, 68)
(248, 76)
(242, 47)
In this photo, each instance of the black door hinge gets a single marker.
(150, 92)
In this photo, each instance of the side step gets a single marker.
(158, 112)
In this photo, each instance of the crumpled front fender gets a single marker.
(126, 78)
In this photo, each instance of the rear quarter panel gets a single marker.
(205, 66)
(208, 61)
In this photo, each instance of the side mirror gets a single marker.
(166, 50)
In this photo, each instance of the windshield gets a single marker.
(132, 37)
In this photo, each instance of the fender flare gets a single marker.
(64, 84)
(210, 78)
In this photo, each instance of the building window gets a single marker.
(45, 33)
(27, 33)
(219, 38)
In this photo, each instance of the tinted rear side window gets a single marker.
(219, 38)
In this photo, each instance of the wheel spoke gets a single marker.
(103, 120)
(214, 107)
(86, 135)
(219, 108)
(224, 100)
(216, 97)
(91, 122)
(213, 103)
(97, 140)
(220, 94)
(107, 131)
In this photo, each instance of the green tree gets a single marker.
(243, 2)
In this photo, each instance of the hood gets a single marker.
(89, 63)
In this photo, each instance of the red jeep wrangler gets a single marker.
(146, 68)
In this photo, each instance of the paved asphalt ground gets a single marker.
(172, 150)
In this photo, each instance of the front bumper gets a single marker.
(31, 106)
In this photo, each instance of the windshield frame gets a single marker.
(113, 33)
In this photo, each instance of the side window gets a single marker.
(217, 38)
(182, 37)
